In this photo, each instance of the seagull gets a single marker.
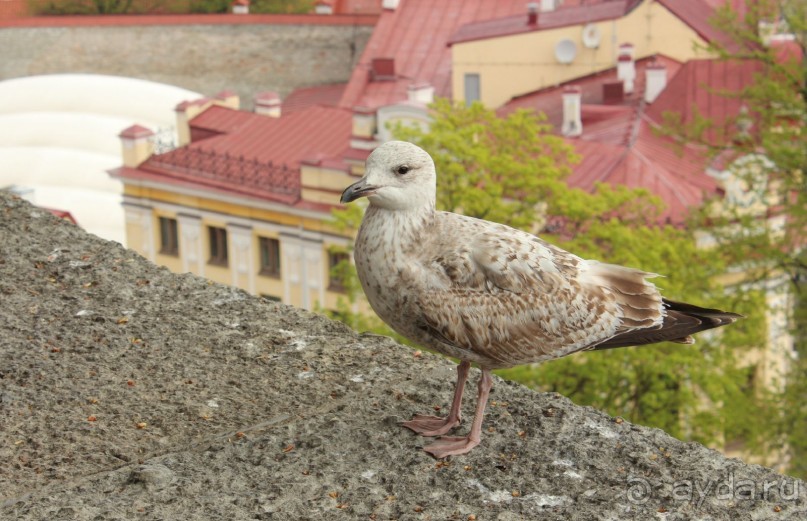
(489, 294)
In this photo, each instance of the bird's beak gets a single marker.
(358, 189)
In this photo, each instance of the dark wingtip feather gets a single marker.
(721, 317)
(680, 322)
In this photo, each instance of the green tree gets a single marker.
(209, 6)
(513, 170)
(281, 6)
(499, 169)
(764, 233)
(74, 7)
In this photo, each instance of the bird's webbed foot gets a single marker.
(451, 446)
(431, 425)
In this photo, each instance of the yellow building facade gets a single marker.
(508, 65)
(281, 251)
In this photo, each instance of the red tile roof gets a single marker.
(787, 49)
(221, 120)
(702, 88)
(561, 17)
(620, 145)
(326, 95)
(738, 6)
(416, 35)
(251, 155)
(694, 13)
(286, 140)
(648, 161)
(608, 123)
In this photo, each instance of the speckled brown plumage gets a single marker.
(490, 294)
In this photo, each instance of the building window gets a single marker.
(270, 256)
(169, 239)
(337, 269)
(473, 87)
(218, 245)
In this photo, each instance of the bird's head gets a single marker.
(398, 176)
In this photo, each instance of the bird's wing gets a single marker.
(512, 298)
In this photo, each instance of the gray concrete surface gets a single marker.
(129, 392)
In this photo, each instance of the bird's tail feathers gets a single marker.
(681, 321)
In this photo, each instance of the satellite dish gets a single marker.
(591, 36)
(565, 51)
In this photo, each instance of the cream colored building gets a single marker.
(496, 60)
(234, 215)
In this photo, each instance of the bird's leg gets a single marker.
(434, 425)
(453, 445)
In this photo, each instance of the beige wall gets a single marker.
(322, 185)
(512, 65)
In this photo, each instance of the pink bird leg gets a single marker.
(455, 445)
(435, 425)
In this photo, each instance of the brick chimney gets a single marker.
(228, 98)
(267, 104)
(136, 145)
(364, 128)
(626, 72)
(572, 122)
(382, 69)
(532, 13)
(655, 81)
(323, 8)
(626, 49)
(240, 6)
(421, 92)
(186, 111)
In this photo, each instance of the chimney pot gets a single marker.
(626, 49)
(228, 98)
(626, 71)
(572, 122)
(420, 93)
(364, 128)
(655, 81)
(267, 104)
(185, 112)
(532, 13)
(241, 7)
(136, 144)
(382, 69)
(323, 8)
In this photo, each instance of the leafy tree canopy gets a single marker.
(763, 234)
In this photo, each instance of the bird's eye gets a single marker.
(401, 170)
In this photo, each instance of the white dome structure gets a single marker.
(59, 136)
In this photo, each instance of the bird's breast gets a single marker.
(386, 255)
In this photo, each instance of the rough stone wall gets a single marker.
(130, 392)
(204, 58)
